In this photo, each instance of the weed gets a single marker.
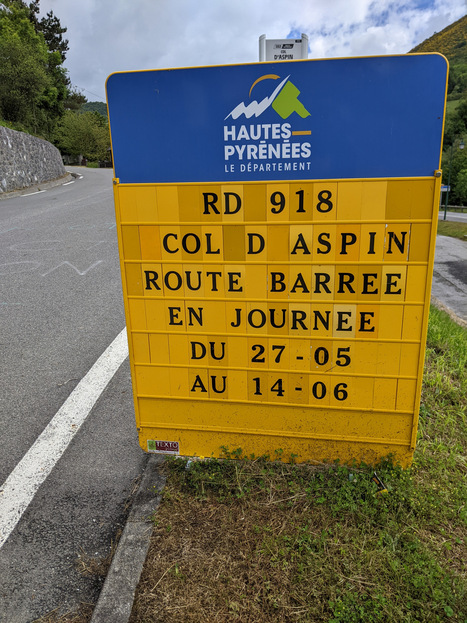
(88, 565)
(356, 608)
(82, 615)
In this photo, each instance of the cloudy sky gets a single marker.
(118, 35)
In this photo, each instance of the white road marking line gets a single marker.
(34, 193)
(19, 489)
(68, 183)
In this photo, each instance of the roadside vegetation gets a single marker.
(262, 540)
(452, 42)
(452, 229)
(36, 94)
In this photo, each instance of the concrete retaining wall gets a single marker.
(26, 160)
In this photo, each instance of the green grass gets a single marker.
(455, 230)
(451, 105)
(263, 540)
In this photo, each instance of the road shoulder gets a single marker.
(116, 599)
(68, 177)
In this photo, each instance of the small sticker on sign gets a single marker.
(163, 447)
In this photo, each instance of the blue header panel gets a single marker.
(328, 119)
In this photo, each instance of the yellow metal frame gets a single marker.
(379, 415)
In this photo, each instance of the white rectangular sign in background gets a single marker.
(283, 49)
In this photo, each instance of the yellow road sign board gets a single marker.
(267, 316)
(272, 305)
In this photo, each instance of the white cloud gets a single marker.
(118, 35)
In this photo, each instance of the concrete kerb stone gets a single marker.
(37, 187)
(116, 598)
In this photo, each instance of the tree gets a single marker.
(454, 161)
(461, 112)
(23, 69)
(461, 186)
(54, 96)
(30, 10)
(101, 107)
(33, 82)
(49, 26)
(75, 99)
(454, 127)
(83, 133)
(52, 30)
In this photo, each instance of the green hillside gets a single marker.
(452, 42)
(100, 107)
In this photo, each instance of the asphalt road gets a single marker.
(459, 217)
(61, 306)
(450, 274)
